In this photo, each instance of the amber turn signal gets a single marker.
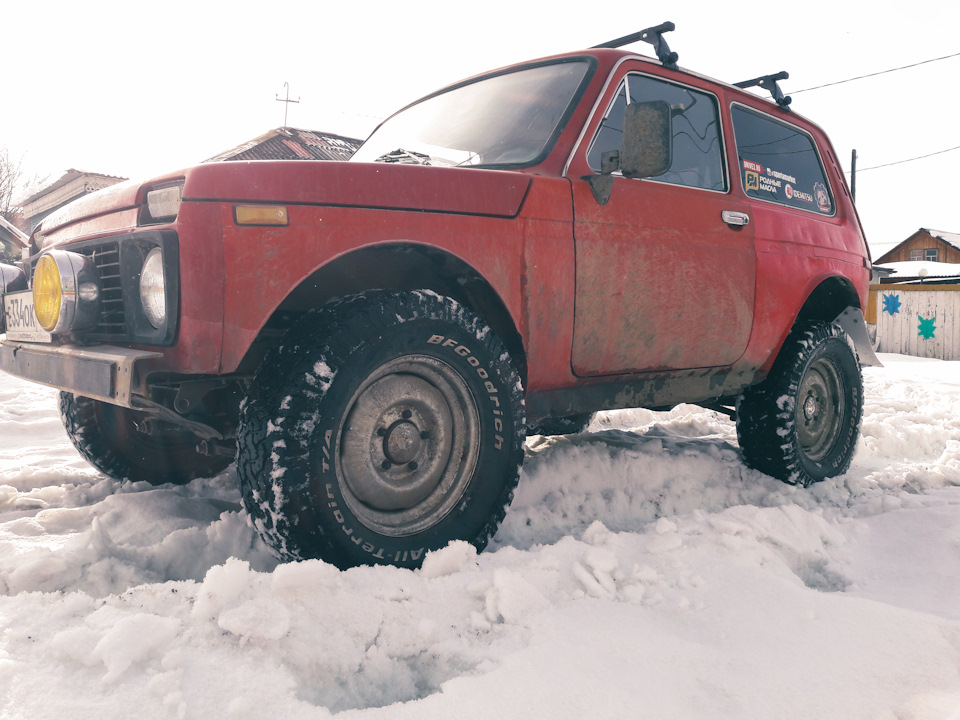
(260, 214)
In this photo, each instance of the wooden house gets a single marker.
(915, 299)
(926, 245)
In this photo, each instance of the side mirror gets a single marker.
(647, 149)
(647, 140)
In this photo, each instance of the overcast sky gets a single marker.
(135, 89)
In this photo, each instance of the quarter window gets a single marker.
(697, 150)
(779, 163)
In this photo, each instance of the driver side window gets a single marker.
(697, 148)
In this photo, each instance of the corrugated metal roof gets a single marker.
(288, 143)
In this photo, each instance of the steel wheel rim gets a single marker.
(820, 408)
(409, 445)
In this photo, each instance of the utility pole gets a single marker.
(286, 100)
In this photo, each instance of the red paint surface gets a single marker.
(653, 281)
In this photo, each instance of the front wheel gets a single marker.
(801, 424)
(385, 426)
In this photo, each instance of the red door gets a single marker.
(666, 269)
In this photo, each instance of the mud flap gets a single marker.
(854, 324)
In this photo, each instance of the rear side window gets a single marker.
(779, 162)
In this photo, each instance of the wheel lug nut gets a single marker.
(386, 465)
(407, 414)
(424, 434)
(412, 466)
(381, 432)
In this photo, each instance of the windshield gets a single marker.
(509, 119)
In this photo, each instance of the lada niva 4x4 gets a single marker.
(371, 341)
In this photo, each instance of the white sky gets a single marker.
(137, 89)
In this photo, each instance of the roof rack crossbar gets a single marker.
(769, 83)
(654, 36)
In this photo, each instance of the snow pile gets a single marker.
(642, 571)
(924, 268)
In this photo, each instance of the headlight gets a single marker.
(153, 292)
(161, 205)
(66, 292)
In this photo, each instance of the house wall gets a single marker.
(58, 195)
(947, 253)
(920, 321)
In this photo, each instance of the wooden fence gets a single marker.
(919, 320)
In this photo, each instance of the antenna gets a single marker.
(288, 101)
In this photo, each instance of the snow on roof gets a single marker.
(916, 268)
(952, 239)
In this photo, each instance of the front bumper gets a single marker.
(103, 372)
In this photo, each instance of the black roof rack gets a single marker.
(769, 83)
(654, 36)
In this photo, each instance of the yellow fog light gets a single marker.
(47, 293)
(66, 292)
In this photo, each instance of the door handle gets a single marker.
(734, 218)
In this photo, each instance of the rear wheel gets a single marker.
(801, 424)
(107, 437)
(386, 425)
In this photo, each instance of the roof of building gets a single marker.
(287, 143)
(952, 239)
(68, 177)
(914, 271)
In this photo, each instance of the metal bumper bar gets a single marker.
(103, 372)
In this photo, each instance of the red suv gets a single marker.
(372, 340)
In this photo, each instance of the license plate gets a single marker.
(21, 321)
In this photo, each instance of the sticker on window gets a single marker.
(779, 163)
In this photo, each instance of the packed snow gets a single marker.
(642, 572)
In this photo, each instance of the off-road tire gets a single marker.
(568, 425)
(801, 424)
(107, 437)
(384, 426)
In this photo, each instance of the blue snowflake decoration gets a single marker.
(927, 327)
(891, 304)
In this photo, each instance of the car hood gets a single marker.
(370, 185)
(495, 193)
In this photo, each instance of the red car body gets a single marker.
(565, 279)
(372, 340)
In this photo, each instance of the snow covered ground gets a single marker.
(642, 572)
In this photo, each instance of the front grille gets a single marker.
(113, 322)
(118, 262)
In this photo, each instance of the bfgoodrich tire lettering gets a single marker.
(802, 423)
(385, 426)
